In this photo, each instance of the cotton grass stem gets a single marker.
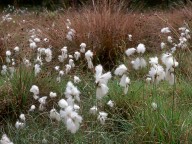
(173, 98)
(144, 97)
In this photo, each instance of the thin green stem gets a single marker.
(173, 97)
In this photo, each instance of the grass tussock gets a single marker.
(104, 28)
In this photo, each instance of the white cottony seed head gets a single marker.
(8, 53)
(53, 94)
(154, 105)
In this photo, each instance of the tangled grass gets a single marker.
(152, 111)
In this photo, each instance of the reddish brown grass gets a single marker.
(104, 29)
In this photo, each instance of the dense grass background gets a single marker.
(76, 3)
(104, 29)
(132, 120)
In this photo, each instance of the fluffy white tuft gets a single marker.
(19, 125)
(169, 76)
(163, 45)
(8, 53)
(89, 57)
(37, 69)
(157, 73)
(153, 60)
(34, 89)
(102, 117)
(54, 115)
(33, 45)
(76, 79)
(169, 61)
(165, 30)
(170, 39)
(52, 94)
(101, 91)
(71, 63)
(48, 53)
(124, 82)
(72, 91)
(5, 140)
(32, 108)
(141, 48)
(77, 55)
(71, 119)
(101, 78)
(139, 63)
(22, 117)
(42, 100)
(93, 110)
(63, 103)
(83, 46)
(130, 51)
(110, 103)
(154, 105)
(16, 49)
(120, 70)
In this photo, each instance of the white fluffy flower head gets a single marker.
(42, 100)
(170, 39)
(72, 91)
(89, 55)
(120, 70)
(141, 48)
(130, 37)
(76, 79)
(102, 117)
(71, 119)
(93, 110)
(82, 46)
(163, 45)
(48, 53)
(130, 51)
(57, 68)
(5, 140)
(157, 73)
(169, 61)
(67, 68)
(139, 63)
(8, 53)
(34, 89)
(110, 103)
(32, 108)
(16, 49)
(71, 63)
(63, 103)
(19, 125)
(52, 94)
(101, 81)
(165, 30)
(33, 45)
(153, 60)
(100, 77)
(154, 105)
(37, 69)
(37, 40)
(54, 115)
(22, 117)
(77, 55)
